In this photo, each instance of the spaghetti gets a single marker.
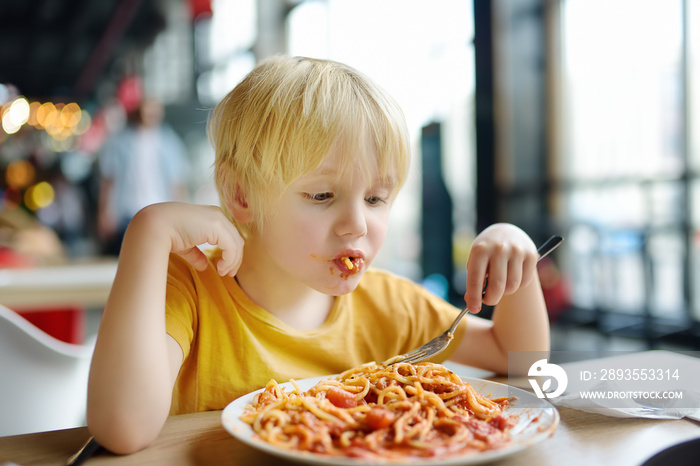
(382, 413)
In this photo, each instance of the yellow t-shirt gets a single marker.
(231, 346)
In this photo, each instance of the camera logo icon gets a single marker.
(542, 368)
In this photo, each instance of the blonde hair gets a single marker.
(281, 121)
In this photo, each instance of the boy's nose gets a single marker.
(352, 221)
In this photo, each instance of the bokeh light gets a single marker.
(4, 93)
(83, 123)
(46, 114)
(33, 107)
(19, 174)
(39, 196)
(9, 125)
(71, 115)
(61, 121)
(15, 115)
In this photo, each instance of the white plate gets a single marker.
(534, 423)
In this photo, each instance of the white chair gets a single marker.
(43, 381)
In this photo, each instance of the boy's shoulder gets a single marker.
(179, 265)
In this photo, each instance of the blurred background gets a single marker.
(570, 117)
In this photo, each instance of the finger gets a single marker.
(498, 275)
(514, 275)
(529, 269)
(476, 276)
(196, 258)
(231, 253)
(230, 262)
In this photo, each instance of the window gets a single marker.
(629, 161)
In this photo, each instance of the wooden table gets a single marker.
(199, 439)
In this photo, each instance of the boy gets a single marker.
(310, 155)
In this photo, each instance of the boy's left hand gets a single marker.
(505, 255)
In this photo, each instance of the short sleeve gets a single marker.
(180, 307)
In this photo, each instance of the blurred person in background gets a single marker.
(26, 242)
(144, 163)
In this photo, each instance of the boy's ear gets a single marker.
(238, 205)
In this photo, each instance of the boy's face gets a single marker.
(326, 231)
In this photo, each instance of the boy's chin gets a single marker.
(344, 286)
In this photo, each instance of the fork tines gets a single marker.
(407, 358)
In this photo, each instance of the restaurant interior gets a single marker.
(578, 118)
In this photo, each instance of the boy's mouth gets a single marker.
(350, 264)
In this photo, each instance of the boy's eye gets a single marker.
(374, 200)
(319, 197)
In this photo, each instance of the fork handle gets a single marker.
(453, 327)
(549, 246)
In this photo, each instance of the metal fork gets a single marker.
(439, 343)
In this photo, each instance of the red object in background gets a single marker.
(91, 142)
(130, 92)
(66, 324)
(63, 323)
(199, 8)
(557, 295)
(9, 258)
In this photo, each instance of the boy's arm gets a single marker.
(135, 362)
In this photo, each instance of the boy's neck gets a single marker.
(295, 304)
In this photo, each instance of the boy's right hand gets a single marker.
(190, 225)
